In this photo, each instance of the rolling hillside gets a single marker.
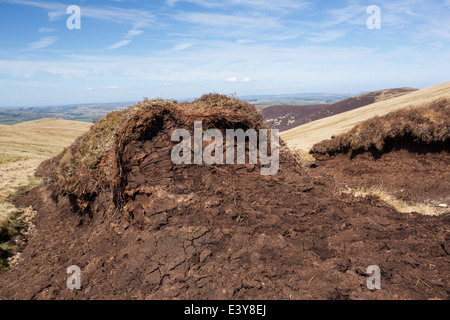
(305, 136)
(24, 146)
(286, 117)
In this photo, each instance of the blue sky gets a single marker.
(130, 49)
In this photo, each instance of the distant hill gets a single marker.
(300, 99)
(285, 117)
(305, 136)
(79, 112)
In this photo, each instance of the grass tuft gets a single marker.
(380, 197)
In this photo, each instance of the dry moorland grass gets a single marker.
(380, 196)
(305, 136)
(429, 123)
(387, 94)
(24, 146)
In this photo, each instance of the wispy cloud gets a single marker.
(45, 30)
(56, 10)
(222, 61)
(258, 21)
(182, 46)
(232, 79)
(325, 36)
(119, 44)
(278, 5)
(43, 43)
(354, 13)
(133, 33)
(126, 39)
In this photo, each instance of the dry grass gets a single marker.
(305, 136)
(388, 94)
(23, 147)
(381, 197)
(427, 124)
(306, 159)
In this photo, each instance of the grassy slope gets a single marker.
(289, 117)
(24, 146)
(304, 137)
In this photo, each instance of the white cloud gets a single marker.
(199, 64)
(236, 79)
(279, 5)
(325, 36)
(43, 43)
(56, 10)
(217, 20)
(111, 87)
(45, 30)
(352, 14)
(182, 46)
(119, 44)
(127, 39)
(232, 79)
(133, 33)
(87, 89)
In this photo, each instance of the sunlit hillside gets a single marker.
(304, 137)
(24, 146)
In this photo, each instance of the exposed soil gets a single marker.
(415, 173)
(221, 232)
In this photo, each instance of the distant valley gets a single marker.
(93, 112)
